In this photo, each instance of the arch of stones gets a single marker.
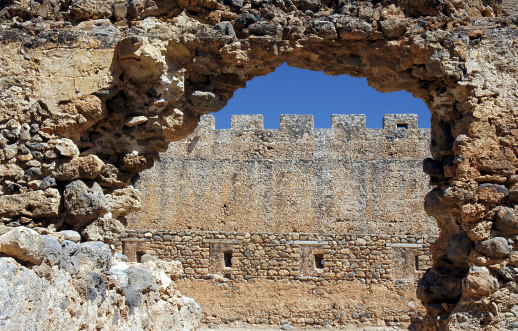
(92, 91)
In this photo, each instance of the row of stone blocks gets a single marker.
(305, 123)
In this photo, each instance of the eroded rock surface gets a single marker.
(83, 286)
(122, 79)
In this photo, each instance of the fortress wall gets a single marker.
(344, 179)
(287, 256)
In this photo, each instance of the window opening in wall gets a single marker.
(227, 256)
(402, 126)
(139, 256)
(319, 261)
(417, 263)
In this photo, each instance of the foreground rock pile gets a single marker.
(47, 282)
(91, 91)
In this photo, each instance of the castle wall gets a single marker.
(344, 179)
(286, 256)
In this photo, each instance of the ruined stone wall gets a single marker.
(298, 178)
(121, 80)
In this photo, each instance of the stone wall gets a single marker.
(286, 256)
(296, 179)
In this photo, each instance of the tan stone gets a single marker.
(123, 201)
(23, 244)
(87, 167)
(34, 204)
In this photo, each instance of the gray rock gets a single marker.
(496, 248)
(84, 202)
(225, 28)
(53, 251)
(459, 247)
(95, 256)
(71, 235)
(70, 261)
(506, 220)
(133, 299)
(393, 28)
(95, 287)
(23, 244)
(263, 28)
(47, 182)
(286, 327)
(324, 29)
(140, 280)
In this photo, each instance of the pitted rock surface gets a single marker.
(121, 80)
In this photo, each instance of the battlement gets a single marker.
(298, 124)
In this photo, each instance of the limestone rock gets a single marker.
(94, 256)
(71, 235)
(124, 201)
(496, 248)
(105, 229)
(75, 117)
(23, 244)
(34, 204)
(479, 282)
(84, 203)
(66, 147)
(87, 167)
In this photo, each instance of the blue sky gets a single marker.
(296, 91)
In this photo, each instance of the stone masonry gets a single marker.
(346, 179)
(315, 207)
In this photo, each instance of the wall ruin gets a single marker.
(120, 80)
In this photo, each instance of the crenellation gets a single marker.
(399, 121)
(297, 125)
(246, 122)
(348, 122)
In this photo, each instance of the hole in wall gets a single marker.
(227, 258)
(319, 261)
(402, 126)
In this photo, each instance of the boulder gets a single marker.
(140, 280)
(87, 167)
(84, 203)
(105, 229)
(71, 235)
(33, 204)
(506, 220)
(479, 282)
(24, 245)
(124, 201)
(66, 147)
(495, 248)
(53, 253)
(95, 257)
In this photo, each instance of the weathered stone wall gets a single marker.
(295, 179)
(289, 256)
(157, 65)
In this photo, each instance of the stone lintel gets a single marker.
(407, 245)
(219, 241)
(308, 242)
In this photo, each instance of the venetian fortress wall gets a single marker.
(326, 210)
(343, 179)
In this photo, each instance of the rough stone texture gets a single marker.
(97, 65)
(23, 244)
(92, 296)
(296, 179)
